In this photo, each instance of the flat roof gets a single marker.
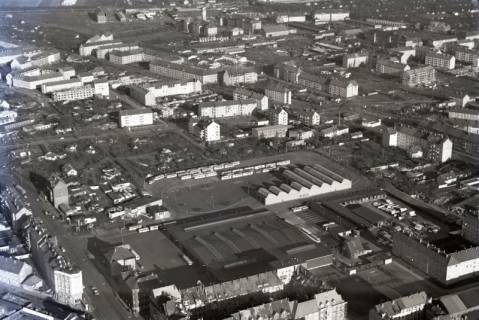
(453, 243)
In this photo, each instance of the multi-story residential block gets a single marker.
(65, 280)
(405, 308)
(126, 57)
(74, 94)
(279, 116)
(279, 94)
(233, 77)
(206, 129)
(435, 147)
(135, 118)
(243, 94)
(308, 117)
(61, 85)
(33, 82)
(13, 272)
(147, 93)
(470, 225)
(268, 132)
(313, 82)
(354, 60)
(419, 76)
(103, 51)
(464, 114)
(447, 260)
(464, 54)
(57, 191)
(287, 71)
(387, 66)
(97, 88)
(183, 72)
(227, 108)
(440, 60)
(95, 42)
(342, 87)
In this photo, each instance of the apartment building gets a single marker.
(14, 272)
(61, 85)
(147, 93)
(278, 94)
(227, 108)
(287, 71)
(328, 16)
(470, 225)
(354, 60)
(233, 77)
(65, 280)
(464, 114)
(440, 60)
(207, 130)
(135, 118)
(243, 93)
(344, 88)
(447, 260)
(279, 117)
(435, 147)
(268, 132)
(103, 51)
(183, 72)
(308, 117)
(386, 66)
(405, 308)
(96, 88)
(419, 76)
(313, 82)
(126, 57)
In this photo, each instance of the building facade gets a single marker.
(227, 108)
(183, 72)
(135, 118)
(419, 76)
(440, 60)
(278, 94)
(243, 94)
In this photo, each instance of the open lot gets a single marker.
(157, 252)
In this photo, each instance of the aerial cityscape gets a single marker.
(239, 159)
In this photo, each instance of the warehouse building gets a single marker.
(307, 182)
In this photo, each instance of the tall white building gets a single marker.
(206, 129)
(440, 60)
(278, 94)
(279, 116)
(354, 60)
(68, 285)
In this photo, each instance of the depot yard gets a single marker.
(195, 196)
